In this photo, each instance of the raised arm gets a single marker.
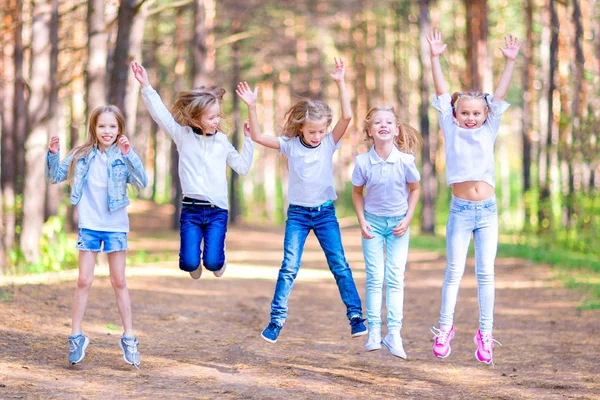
(140, 74)
(510, 53)
(249, 97)
(437, 47)
(338, 76)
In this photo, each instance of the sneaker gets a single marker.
(197, 273)
(357, 326)
(485, 347)
(219, 273)
(271, 332)
(441, 346)
(393, 342)
(374, 340)
(77, 345)
(129, 345)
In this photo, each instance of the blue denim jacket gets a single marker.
(123, 169)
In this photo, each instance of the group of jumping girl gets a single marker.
(385, 194)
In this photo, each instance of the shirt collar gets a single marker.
(392, 157)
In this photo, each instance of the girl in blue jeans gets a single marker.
(470, 123)
(99, 172)
(309, 149)
(195, 126)
(391, 179)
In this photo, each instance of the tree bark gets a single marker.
(479, 69)
(97, 53)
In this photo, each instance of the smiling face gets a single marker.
(107, 130)
(471, 113)
(383, 127)
(313, 132)
(211, 117)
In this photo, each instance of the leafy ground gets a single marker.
(201, 339)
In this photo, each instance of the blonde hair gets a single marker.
(473, 94)
(302, 111)
(409, 139)
(190, 105)
(91, 141)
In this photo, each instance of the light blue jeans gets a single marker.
(322, 220)
(389, 269)
(479, 218)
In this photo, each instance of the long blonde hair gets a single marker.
(302, 111)
(190, 105)
(409, 139)
(91, 140)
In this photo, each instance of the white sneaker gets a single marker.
(374, 340)
(393, 342)
(197, 273)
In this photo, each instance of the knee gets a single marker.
(84, 282)
(118, 283)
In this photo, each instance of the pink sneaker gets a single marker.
(441, 346)
(485, 347)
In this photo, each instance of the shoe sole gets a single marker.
(387, 346)
(267, 339)
(363, 333)
(122, 349)
(373, 348)
(85, 345)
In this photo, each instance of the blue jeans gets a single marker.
(479, 218)
(395, 249)
(322, 220)
(202, 222)
(91, 240)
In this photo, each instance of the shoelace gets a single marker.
(488, 341)
(131, 347)
(356, 320)
(73, 345)
(440, 335)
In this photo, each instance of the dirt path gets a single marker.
(201, 339)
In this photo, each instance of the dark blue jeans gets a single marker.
(322, 220)
(197, 223)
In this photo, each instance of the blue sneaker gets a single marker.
(129, 345)
(77, 345)
(271, 332)
(357, 325)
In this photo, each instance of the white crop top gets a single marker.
(469, 152)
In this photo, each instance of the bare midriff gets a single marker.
(473, 190)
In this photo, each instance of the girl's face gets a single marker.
(314, 131)
(383, 127)
(107, 130)
(471, 113)
(211, 117)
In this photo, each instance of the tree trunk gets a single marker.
(234, 206)
(120, 67)
(479, 69)
(428, 178)
(37, 138)
(528, 72)
(97, 53)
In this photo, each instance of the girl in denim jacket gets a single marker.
(99, 172)
(470, 123)
(309, 149)
(195, 126)
(390, 177)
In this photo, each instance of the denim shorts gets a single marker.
(91, 240)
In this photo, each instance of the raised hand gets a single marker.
(436, 44)
(124, 145)
(139, 72)
(246, 94)
(340, 70)
(512, 47)
(247, 128)
(54, 145)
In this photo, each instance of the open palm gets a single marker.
(512, 47)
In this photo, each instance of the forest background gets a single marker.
(62, 58)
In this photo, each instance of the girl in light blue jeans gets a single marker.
(470, 122)
(391, 179)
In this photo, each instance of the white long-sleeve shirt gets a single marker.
(202, 159)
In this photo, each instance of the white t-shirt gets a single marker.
(93, 206)
(386, 181)
(310, 181)
(203, 159)
(469, 152)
